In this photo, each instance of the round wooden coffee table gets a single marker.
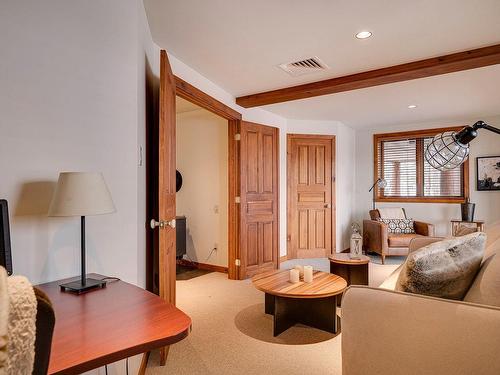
(354, 271)
(313, 304)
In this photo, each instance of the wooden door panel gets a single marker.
(166, 181)
(319, 161)
(252, 240)
(252, 166)
(303, 165)
(259, 198)
(310, 172)
(268, 162)
(267, 242)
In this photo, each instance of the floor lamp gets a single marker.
(81, 194)
(381, 183)
(450, 149)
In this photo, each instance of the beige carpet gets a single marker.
(232, 335)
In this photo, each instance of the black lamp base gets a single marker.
(78, 288)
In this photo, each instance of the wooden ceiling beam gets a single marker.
(454, 62)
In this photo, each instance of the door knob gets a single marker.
(171, 223)
(327, 205)
(153, 224)
(161, 224)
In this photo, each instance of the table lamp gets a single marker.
(81, 194)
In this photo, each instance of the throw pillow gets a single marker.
(399, 226)
(444, 269)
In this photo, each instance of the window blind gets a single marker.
(441, 183)
(398, 166)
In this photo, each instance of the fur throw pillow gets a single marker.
(444, 269)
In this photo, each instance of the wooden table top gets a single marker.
(344, 258)
(277, 283)
(467, 222)
(109, 324)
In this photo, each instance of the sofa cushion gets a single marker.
(486, 286)
(392, 213)
(444, 269)
(392, 280)
(401, 239)
(399, 225)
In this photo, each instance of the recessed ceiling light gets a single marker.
(411, 106)
(363, 34)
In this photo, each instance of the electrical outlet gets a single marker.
(216, 209)
(216, 246)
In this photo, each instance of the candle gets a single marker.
(294, 275)
(308, 274)
(300, 268)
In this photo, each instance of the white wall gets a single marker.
(202, 159)
(487, 203)
(68, 102)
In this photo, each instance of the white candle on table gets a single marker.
(308, 274)
(294, 276)
(300, 268)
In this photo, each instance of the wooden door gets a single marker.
(311, 206)
(161, 177)
(259, 162)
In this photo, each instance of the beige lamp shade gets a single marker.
(81, 194)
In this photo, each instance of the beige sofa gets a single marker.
(395, 333)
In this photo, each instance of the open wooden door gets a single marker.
(259, 161)
(163, 220)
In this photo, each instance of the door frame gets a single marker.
(289, 138)
(194, 95)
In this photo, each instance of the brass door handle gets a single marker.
(153, 224)
(162, 224)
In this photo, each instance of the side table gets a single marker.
(456, 225)
(354, 271)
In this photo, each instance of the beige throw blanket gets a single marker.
(18, 318)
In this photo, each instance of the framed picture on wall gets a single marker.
(488, 173)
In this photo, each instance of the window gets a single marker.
(399, 159)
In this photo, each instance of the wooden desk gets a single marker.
(109, 324)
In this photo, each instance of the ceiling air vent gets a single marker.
(306, 66)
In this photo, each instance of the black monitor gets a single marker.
(5, 254)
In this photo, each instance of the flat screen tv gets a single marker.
(5, 254)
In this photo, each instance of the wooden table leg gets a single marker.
(163, 355)
(269, 304)
(144, 364)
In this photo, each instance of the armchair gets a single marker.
(377, 239)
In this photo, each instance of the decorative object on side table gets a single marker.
(300, 268)
(81, 194)
(308, 274)
(461, 227)
(467, 209)
(449, 150)
(381, 184)
(294, 275)
(356, 249)
(488, 173)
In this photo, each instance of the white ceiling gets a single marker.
(237, 44)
